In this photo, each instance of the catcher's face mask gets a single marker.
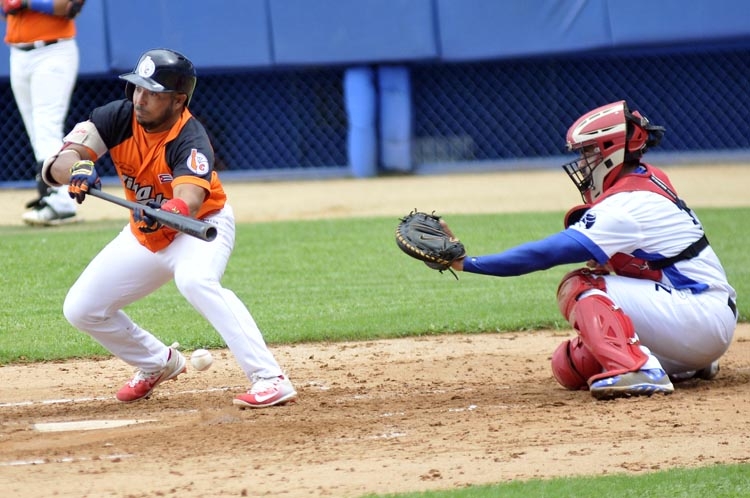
(582, 169)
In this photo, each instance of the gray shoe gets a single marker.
(46, 216)
(709, 372)
(640, 383)
(705, 373)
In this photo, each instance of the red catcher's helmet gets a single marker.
(607, 138)
(162, 70)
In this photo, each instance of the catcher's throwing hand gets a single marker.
(426, 237)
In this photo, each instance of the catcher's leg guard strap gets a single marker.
(573, 285)
(573, 364)
(609, 335)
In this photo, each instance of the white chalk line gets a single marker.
(102, 398)
(18, 404)
(83, 425)
(42, 461)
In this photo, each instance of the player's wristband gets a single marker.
(43, 6)
(177, 206)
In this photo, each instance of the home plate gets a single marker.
(87, 425)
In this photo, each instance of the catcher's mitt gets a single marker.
(422, 236)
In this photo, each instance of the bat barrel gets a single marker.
(191, 226)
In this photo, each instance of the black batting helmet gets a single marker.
(162, 70)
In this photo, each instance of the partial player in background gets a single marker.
(653, 306)
(43, 71)
(165, 160)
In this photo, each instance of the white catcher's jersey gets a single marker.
(685, 319)
(650, 226)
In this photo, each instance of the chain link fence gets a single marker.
(295, 120)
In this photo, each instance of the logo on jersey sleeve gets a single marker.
(197, 162)
(588, 219)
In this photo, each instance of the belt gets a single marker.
(732, 306)
(37, 44)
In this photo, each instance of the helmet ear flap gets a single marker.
(635, 135)
(640, 136)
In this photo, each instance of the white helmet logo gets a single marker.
(146, 67)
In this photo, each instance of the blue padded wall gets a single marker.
(229, 34)
(641, 22)
(489, 29)
(338, 32)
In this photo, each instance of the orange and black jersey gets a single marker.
(28, 26)
(151, 164)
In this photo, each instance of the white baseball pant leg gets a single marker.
(42, 81)
(685, 331)
(124, 271)
(198, 268)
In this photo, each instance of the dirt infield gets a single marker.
(373, 417)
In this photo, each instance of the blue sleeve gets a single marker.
(558, 249)
(43, 6)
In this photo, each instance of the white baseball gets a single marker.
(201, 359)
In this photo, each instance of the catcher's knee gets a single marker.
(573, 364)
(608, 333)
(574, 284)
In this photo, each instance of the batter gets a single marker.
(164, 159)
(653, 306)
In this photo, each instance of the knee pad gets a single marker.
(608, 334)
(573, 285)
(573, 365)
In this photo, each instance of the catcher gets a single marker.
(653, 306)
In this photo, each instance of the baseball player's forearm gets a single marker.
(56, 169)
(63, 8)
(557, 249)
(13, 7)
(193, 196)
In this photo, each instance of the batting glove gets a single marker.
(147, 224)
(83, 176)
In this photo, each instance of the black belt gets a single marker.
(732, 306)
(36, 44)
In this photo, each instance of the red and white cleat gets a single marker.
(267, 392)
(142, 383)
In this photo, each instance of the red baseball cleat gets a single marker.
(267, 392)
(142, 383)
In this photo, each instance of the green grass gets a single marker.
(721, 481)
(310, 281)
(347, 280)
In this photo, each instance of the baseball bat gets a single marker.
(191, 226)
